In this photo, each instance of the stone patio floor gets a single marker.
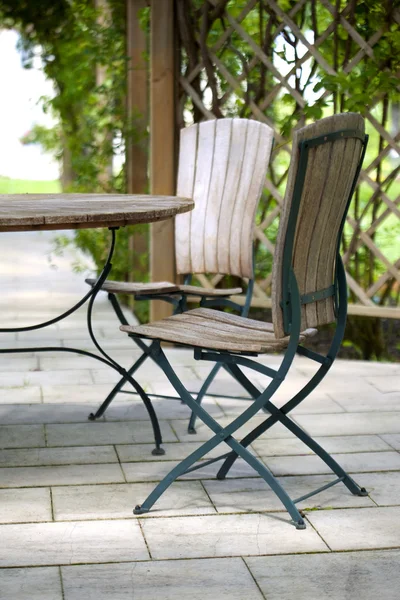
(68, 485)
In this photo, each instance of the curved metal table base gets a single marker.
(103, 356)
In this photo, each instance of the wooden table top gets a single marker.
(30, 212)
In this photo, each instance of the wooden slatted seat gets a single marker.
(212, 329)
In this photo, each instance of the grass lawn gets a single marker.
(25, 186)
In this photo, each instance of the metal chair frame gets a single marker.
(291, 305)
(194, 154)
(179, 302)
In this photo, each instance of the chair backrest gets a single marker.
(222, 167)
(325, 162)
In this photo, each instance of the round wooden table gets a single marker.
(38, 212)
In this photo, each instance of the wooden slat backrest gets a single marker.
(329, 176)
(222, 166)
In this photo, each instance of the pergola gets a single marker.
(156, 89)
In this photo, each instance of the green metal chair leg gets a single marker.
(279, 415)
(223, 435)
(201, 394)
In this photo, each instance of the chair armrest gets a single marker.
(195, 290)
(124, 287)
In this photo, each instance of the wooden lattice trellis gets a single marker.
(263, 59)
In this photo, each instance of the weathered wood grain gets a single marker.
(26, 212)
(161, 287)
(212, 329)
(224, 163)
(127, 287)
(329, 175)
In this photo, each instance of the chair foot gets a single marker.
(362, 492)
(192, 430)
(92, 417)
(138, 510)
(300, 524)
(158, 452)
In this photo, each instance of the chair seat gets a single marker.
(162, 287)
(215, 330)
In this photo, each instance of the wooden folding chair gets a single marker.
(309, 290)
(222, 166)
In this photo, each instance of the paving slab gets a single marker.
(392, 439)
(32, 378)
(371, 402)
(102, 434)
(245, 495)
(13, 477)
(92, 393)
(146, 371)
(155, 471)
(21, 436)
(361, 423)
(383, 488)
(71, 543)
(355, 462)
(20, 395)
(228, 535)
(359, 528)
(13, 362)
(204, 433)
(209, 579)
(46, 413)
(41, 583)
(118, 501)
(366, 575)
(335, 444)
(165, 409)
(385, 383)
(352, 368)
(316, 403)
(34, 457)
(24, 506)
(335, 384)
(173, 452)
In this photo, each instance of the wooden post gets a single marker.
(137, 91)
(138, 112)
(162, 142)
(104, 19)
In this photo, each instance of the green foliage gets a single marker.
(25, 186)
(83, 52)
(291, 87)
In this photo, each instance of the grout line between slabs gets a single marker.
(144, 538)
(318, 533)
(310, 553)
(253, 578)
(120, 464)
(51, 503)
(61, 582)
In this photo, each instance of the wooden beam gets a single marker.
(137, 100)
(137, 150)
(104, 19)
(162, 142)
